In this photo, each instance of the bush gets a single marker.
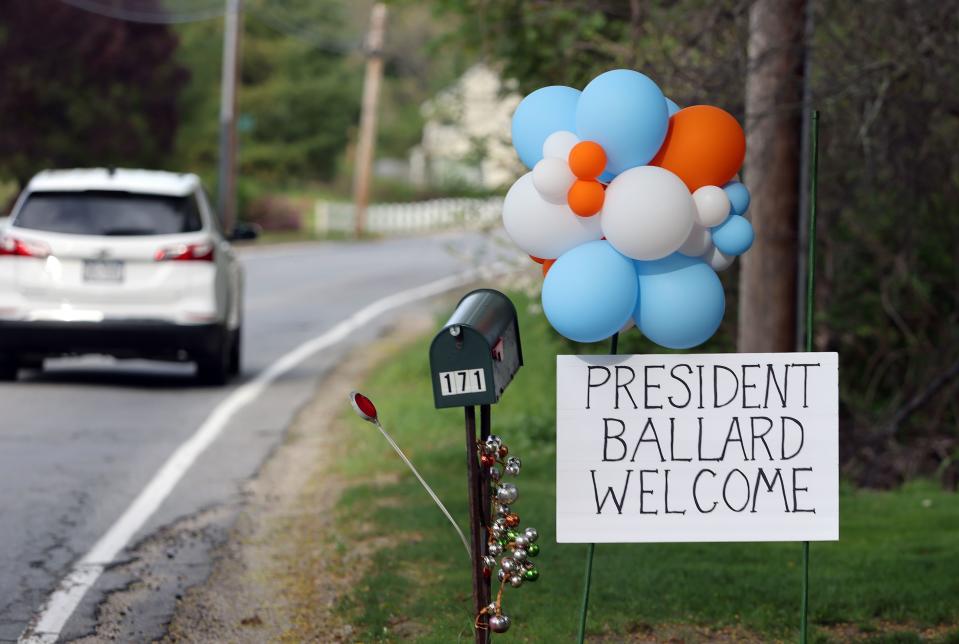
(277, 212)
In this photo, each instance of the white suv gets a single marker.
(129, 263)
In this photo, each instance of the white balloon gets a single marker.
(558, 144)
(553, 179)
(712, 206)
(648, 212)
(541, 228)
(698, 243)
(718, 260)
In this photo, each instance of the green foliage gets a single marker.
(883, 75)
(81, 89)
(298, 97)
(895, 560)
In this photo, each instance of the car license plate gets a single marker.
(102, 270)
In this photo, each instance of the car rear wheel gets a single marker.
(235, 351)
(9, 365)
(213, 364)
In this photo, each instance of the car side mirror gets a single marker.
(245, 232)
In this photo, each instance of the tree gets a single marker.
(774, 90)
(883, 73)
(80, 89)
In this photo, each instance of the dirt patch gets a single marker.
(283, 572)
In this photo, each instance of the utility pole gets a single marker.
(371, 98)
(774, 95)
(227, 173)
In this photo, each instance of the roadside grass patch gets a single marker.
(892, 577)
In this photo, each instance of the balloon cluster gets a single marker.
(509, 547)
(631, 206)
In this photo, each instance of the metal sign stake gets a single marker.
(591, 548)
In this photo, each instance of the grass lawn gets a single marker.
(897, 561)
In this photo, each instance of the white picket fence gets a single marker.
(408, 218)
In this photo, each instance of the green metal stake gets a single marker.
(585, 607)
(810, 293)
(613, 349)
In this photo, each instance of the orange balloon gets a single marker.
(585, 198)
(538, 260)
(704, 146)
(547, 264)
(587, 160)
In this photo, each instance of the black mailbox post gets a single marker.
(472, 360)
(476, 354)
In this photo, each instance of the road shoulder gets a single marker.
(280, 576)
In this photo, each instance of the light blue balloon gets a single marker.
(734, 236)
(590, 292)
(547, 110)
(626, 113)
(672, 106)
(681, 301)
(738, 197)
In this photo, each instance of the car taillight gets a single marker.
(10, 245)
(202, 252)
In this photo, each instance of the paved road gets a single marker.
(80, 440)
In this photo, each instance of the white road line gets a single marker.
(55, 613)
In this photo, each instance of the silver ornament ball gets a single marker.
(495, 474)
(512, 470)
(520, 555)
(491, 609)
(532, 534)
(489, 562)
(516, 581)
(507, 492)
(501, 575)
(508, 564)
(499, 623)
(521, 540)
(502, 510)
(494, 549)
(514, 460)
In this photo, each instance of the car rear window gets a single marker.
(108, 213)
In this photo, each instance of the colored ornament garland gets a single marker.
(505, 539)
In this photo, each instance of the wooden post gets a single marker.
(371, 97)
(226, 190)
(477, 524)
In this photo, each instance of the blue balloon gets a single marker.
(672, 106)
(590, 292)
(738, 197)
(626, 113)
(734, 236)
(681, 301)
(547, 110)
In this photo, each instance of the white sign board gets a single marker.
(709, 447)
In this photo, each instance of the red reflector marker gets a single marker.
(363, 407)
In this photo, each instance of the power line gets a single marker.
(267, 14)
(123, 12)
(272, 18)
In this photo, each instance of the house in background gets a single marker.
(466, 134)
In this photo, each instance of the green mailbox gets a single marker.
(476, 354)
